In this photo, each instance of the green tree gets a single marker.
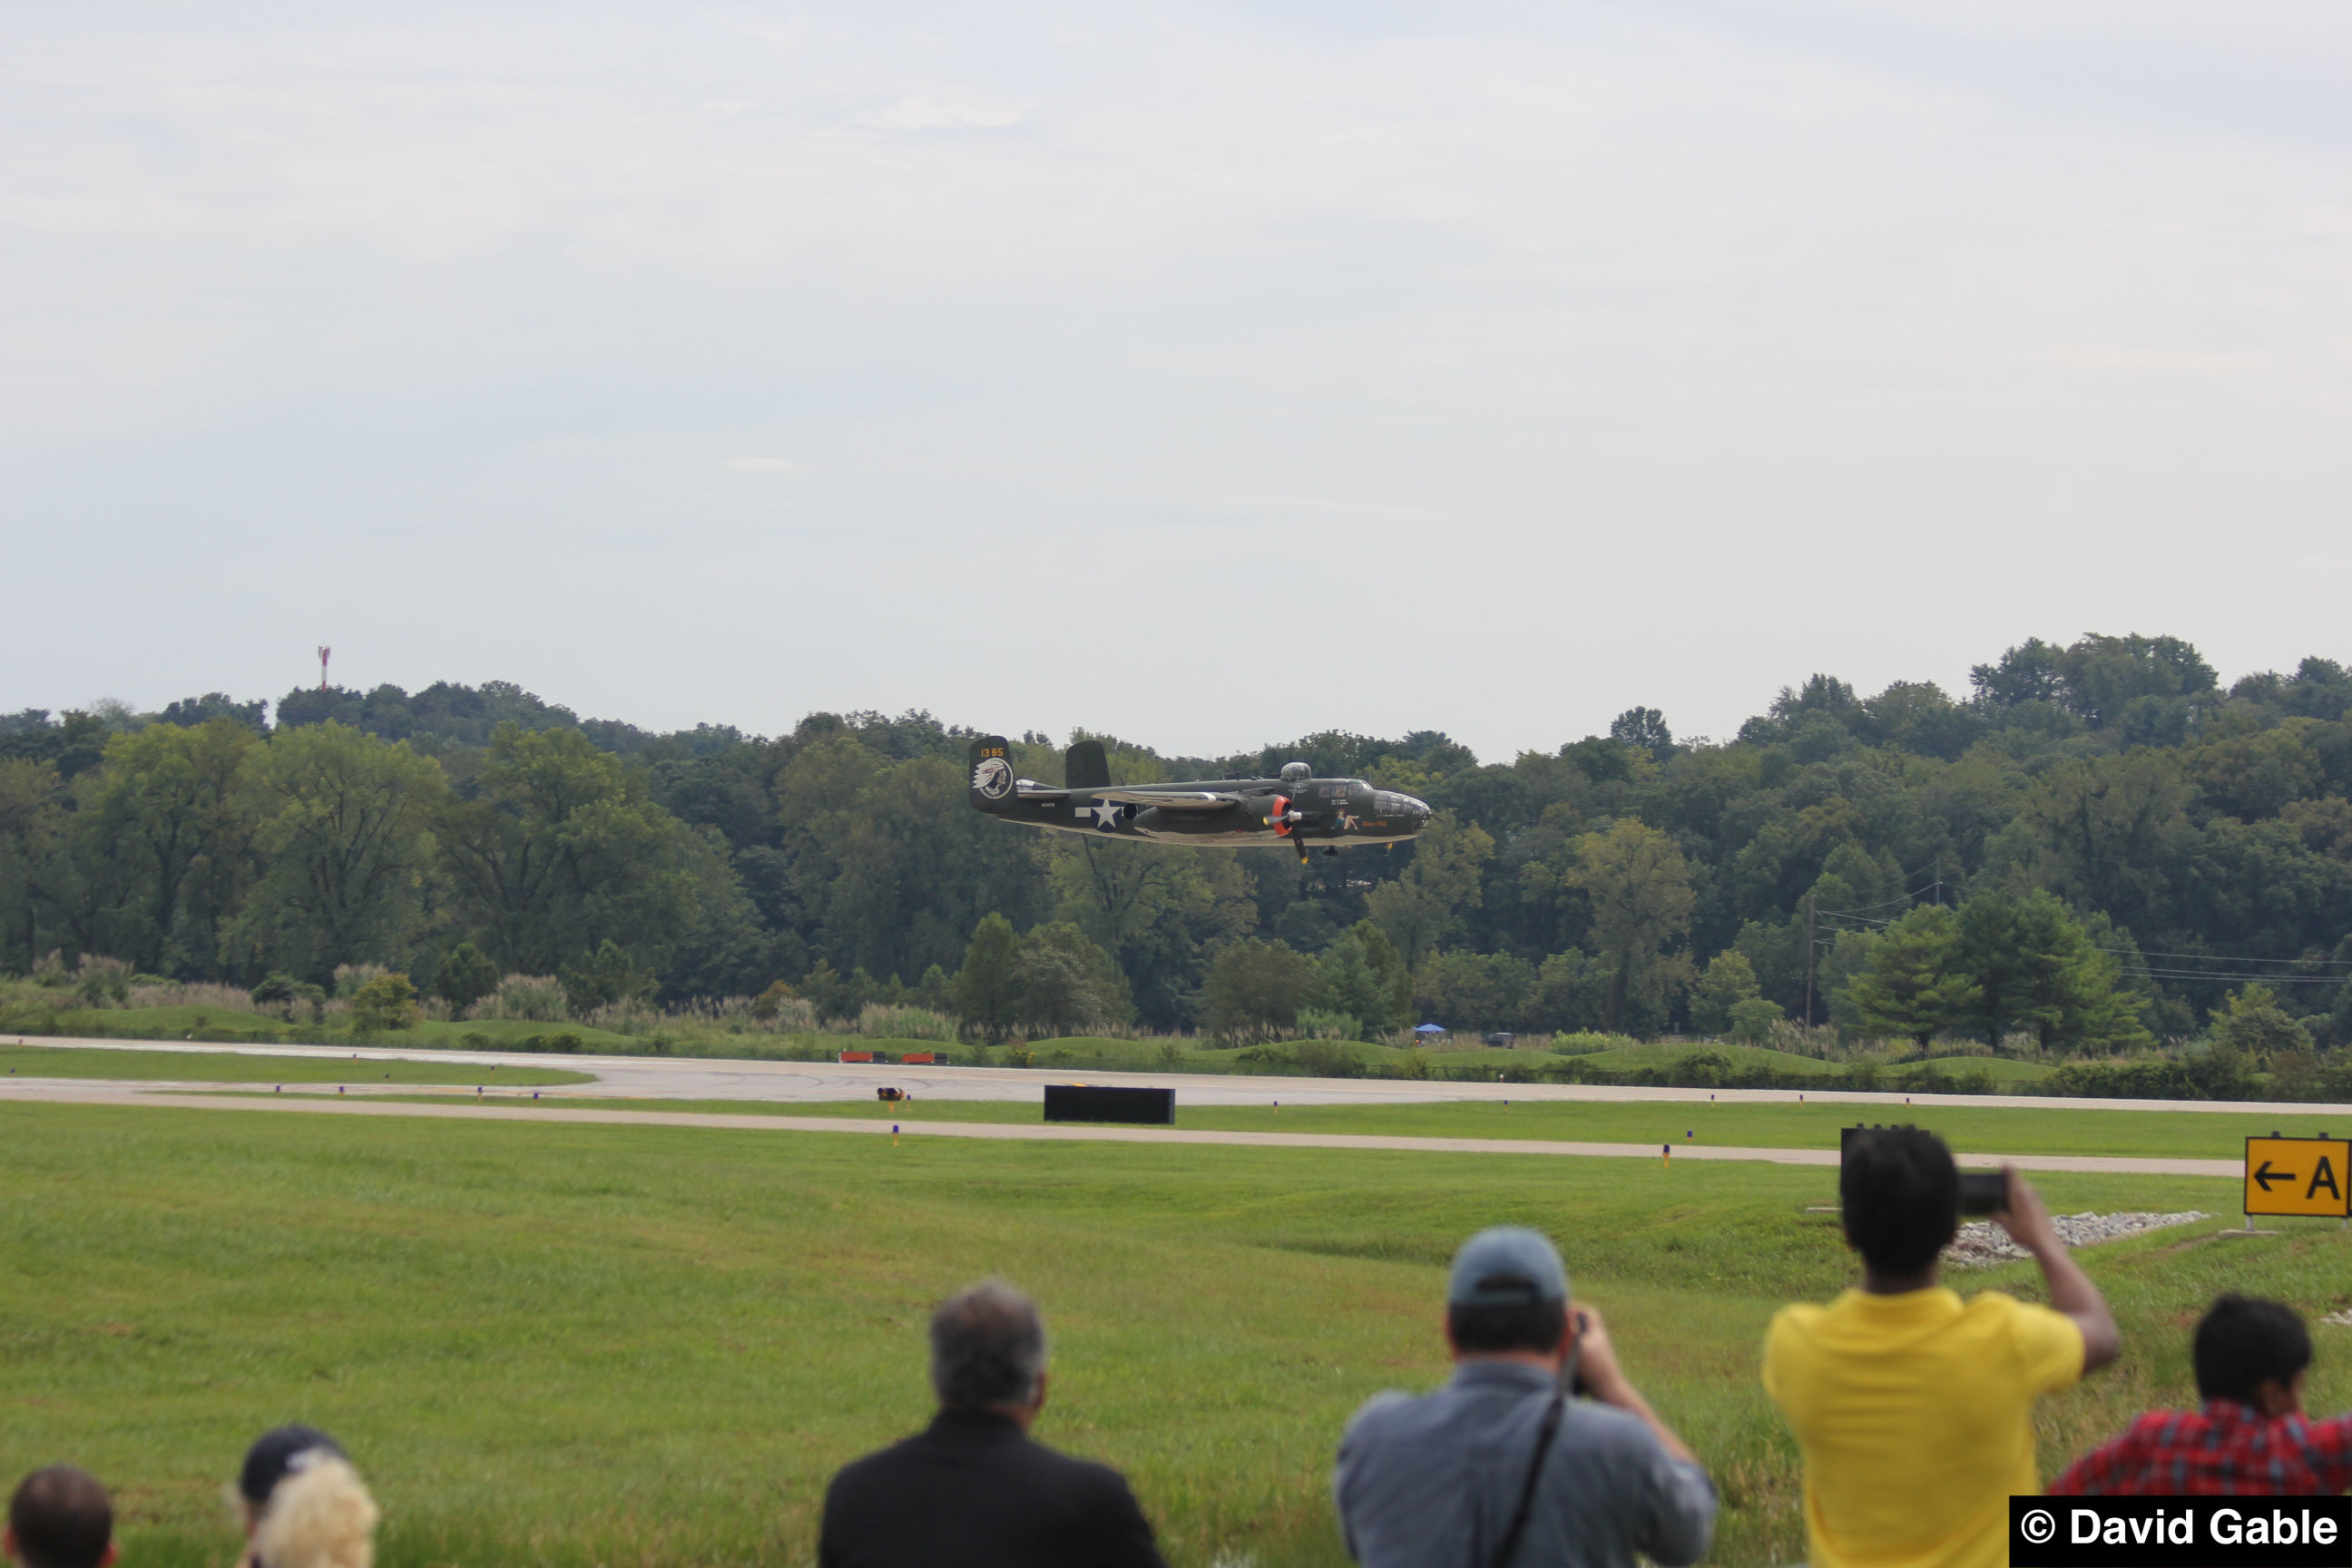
(2034, 968)
(988, 986)
(1423, 904)
(2255, 1026)
(1915, 985)
(463, 977)
(602, 977)
(1067, 982)
(1254, 989)
(837, 997)
(914, 868)
(33, 864)
(1476, 991)
(1572, 992)
(165, 805)
(560, 848)
(1727, 980)
(1156, 909)
(1639, 886)
(386, 1001)
(1364, 977)
(1754, 1021)
(342, 833)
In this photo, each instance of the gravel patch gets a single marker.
(1982, 1244)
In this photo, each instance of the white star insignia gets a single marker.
(1106, 815)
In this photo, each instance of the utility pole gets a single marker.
(1808, 959)
(323, 652)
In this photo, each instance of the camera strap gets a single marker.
(1519, 1516)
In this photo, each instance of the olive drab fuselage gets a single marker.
(1296, 811)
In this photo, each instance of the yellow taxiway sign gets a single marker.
(2297, 1176)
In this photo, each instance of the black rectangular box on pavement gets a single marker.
(1087, 1102)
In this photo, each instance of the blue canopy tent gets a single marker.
(1431, 1029)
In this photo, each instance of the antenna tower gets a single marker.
(324, 652)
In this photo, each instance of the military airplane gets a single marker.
(1297, 809)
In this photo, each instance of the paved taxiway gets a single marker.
(785, 1083)
(56, 1092)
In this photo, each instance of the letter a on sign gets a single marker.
(2297, 1176)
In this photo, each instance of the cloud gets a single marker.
(765, 465)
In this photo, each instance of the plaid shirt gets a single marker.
(2225, 1449)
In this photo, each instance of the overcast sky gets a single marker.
(1206, 375)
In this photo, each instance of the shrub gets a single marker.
(561, 1041)
(771, 1002)
(49, 971)
(276, 986)
(100, 980)
(1326, 1059)
(1585, 1045)
(384, 1002)
(463, 977)
(1317, 1024)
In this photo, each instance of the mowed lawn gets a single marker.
(225, 1066)
(1991, 1129)
(638, 1345)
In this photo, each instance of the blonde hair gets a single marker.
(319, 1516)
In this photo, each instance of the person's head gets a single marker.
(988, 1351)
(59, 1517)
(1900, 1193)
(2254, 1352)
(276, 1455)
(305, 1506)
(1508, 1295)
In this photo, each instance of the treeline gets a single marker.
(2097, 846)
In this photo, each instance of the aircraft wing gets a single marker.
(1030, 791)
(1172, 800)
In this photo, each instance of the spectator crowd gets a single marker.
(1911, 1408)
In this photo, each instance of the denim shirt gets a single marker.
(1430, 1482)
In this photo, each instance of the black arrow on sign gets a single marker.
(2265, 1176)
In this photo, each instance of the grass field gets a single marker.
(624, 1345)
(204, 1067)
(1970, 1128)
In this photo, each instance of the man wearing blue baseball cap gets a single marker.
(1501, 1466)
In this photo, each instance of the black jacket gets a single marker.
(974, 1492)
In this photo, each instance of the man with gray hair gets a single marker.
(1502, 1465)
(972, 1490)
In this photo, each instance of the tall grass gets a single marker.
(527, 998)
(883, 1021)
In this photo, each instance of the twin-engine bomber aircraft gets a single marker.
(1297, 809)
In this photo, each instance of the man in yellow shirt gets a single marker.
(1913, 1408)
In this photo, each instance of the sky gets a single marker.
(1203, 375)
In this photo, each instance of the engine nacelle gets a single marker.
(1279, 814)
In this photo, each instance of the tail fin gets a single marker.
(991, 785)
(1083, 766)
